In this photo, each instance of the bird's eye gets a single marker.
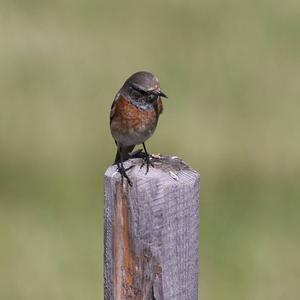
(152, 97)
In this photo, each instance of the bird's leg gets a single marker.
(121, 168)
(147, 159)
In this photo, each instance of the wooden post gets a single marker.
(151, 232)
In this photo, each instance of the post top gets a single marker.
(168, 169)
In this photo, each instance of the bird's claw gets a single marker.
(147, 161)
(123, 173)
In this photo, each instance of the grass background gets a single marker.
(231, 70)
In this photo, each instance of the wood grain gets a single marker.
(151, 232)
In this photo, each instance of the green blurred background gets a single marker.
(231, 70)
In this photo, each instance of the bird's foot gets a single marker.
(123, 173)
(147, 161)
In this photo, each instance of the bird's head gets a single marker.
(143, 86)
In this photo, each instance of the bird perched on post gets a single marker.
(134, 115)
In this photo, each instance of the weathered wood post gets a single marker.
(151, 232)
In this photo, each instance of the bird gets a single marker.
(133, 117)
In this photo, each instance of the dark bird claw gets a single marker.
(123, 173)
(147, 161)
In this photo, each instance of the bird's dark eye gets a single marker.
(152, 97)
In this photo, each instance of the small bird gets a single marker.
(134, 115)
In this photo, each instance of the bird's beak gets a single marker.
(162, 94)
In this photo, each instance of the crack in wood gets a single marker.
(133, 273)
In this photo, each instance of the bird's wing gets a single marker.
(159, 107)
(113, 106)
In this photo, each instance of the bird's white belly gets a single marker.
(133, 136)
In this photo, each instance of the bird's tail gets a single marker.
(125, 153)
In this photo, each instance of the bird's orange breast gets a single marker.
(131, 125)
